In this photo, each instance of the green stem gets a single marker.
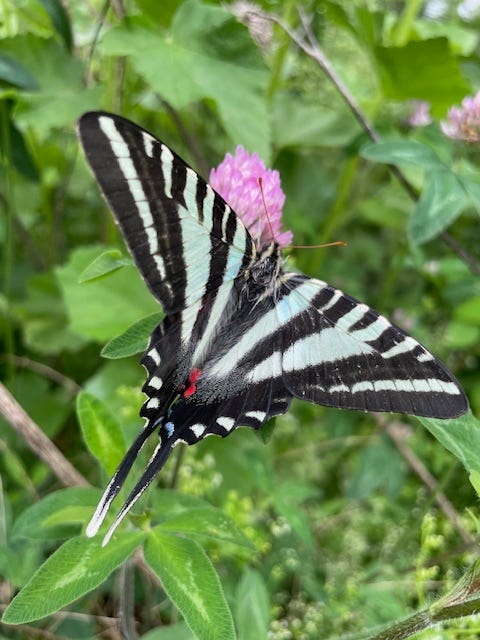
(405, 24)
(406, 628)
(335, 215)
(8, 207)
(289, 17)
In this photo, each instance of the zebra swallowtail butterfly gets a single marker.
(241, 337)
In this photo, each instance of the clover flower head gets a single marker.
(237, 179)
(420, 115)
(463, 123)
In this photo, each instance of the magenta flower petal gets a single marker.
(463, 123)
(237, 179)
(420, 116)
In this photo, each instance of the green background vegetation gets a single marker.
(344, 521)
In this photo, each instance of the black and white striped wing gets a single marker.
(184, 238)
(314, 342)
(339, 352)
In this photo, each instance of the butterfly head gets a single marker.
(267, 267)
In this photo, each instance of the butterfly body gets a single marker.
(241, 337)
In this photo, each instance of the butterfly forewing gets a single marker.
(241, 338)
(184, 238)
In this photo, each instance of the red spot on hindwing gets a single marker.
(193, 376)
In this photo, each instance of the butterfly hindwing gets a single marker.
(341, 353)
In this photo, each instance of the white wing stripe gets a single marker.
(268, 323)
(226, 423)
(333, 300)
(213, 323)
(407, 344)
(149, 142)
(373, 331)
(327, 346)
(155, 382)
(198, 429)
(426, 385)
(353, 316)
(125, 162)
(166, 164)
(271, 367)
(256, 415)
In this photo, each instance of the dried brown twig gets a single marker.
(38, 442)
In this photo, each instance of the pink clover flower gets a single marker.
(236, 179)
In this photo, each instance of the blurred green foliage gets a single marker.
(331, 528)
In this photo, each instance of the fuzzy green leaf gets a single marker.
(77, 567)
(403, 152)
(103, 307)
(407, 72)
(461, 436)
(43, 520)
(191, 583)
(13, 72)
(443, 199)
(133, 340)
(108, 261)
(207, 54)
(206, 523)
(60, 21)
(101, 431)
(252, 606)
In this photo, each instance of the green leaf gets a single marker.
(461, 436)
(296, 122)
(170, 503)
(103, 308)
(462, 40)
(101, 431)
(252, 610)
(44, 317)
(472, 187)
(469, 311)
(39, 521)
(21, 156)
(133, 340)
(461, 335)
(443, 199)
(77, 567)
(105, 263)
(61, 96)
(15, 73)
(207, 54)
(60, 21)
(403, 152)
(207, 523)
(408, 73)
(371, 472)
(179, 631)
(191, 583)
(287, 497)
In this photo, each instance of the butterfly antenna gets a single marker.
(260, 184)
(337, 243)
(118, 479)
(156, 462)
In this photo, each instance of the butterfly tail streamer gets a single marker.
(155, 464)
(118, 479)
